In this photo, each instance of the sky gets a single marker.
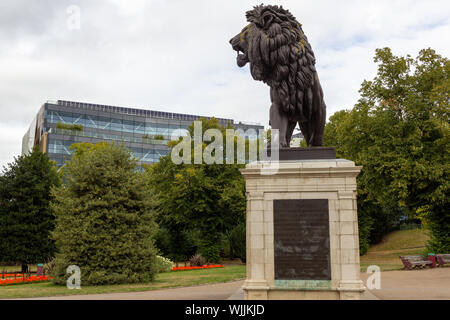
(175, 56)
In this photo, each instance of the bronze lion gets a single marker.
(279, 55)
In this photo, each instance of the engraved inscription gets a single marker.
(302, 240)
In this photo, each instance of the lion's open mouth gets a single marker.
(242, 59)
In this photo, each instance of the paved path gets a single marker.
(429, 284)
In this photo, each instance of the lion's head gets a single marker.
(279, 54)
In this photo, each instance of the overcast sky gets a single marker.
(174, 55)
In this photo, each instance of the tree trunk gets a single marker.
(24, 268)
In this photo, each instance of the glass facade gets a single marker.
(144, 132)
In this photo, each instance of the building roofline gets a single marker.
(129, 111)
(140, 112)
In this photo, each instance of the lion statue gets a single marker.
(279, 55)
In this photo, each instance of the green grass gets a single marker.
(163, 280)
(398, 243)
(385, 255)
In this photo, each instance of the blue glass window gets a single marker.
(91, 121)
(150, 128)
(60, 147)
(116, 124)
(163, 129)
(139, 127)
(128, 126)
(79, 119)
(104, 123)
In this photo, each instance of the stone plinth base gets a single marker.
(325, 187)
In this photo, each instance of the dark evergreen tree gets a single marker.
(104, 222)
(26, 219)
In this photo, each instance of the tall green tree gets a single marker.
(104, 221)
(399, 131)
(26, 219)
(207, 198)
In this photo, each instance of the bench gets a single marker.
(411, 262)
(443, 259)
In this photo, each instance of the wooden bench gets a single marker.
(443, 259)
(411, 262)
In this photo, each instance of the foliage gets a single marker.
(163, 264)
(49, 266)
(439, 222)
(197, 260)
(164, 281)
(238, 242)
(204, 200)
(72, 127)
(210, 250)
(158, 137)
(26, 219)
(174, 243)
(104, 220)
(399, 133)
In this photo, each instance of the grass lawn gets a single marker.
(163, 280)
(399, 243)
(385, 255)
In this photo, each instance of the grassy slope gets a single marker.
(162, 281)
(386, 254)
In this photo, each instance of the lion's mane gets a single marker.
(281, 56)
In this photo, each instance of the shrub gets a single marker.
(72, 127)
(439, 224)
(26, 219)
(104, 221)
(238, 242)
(175, 244)
(163, 264)
(49, 266)
(210, 251)
(197, 260)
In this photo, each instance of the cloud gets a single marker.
(175, 56)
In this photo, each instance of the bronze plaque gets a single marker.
(302, 240)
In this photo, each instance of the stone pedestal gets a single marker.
(328, 267)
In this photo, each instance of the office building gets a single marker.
(145, 133)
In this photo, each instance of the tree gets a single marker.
(238, 242)
(26, 219)
(207, 198)
(104, 221)
(399, 132)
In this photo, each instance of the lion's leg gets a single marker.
(320, 111)
(304, 128)
(278, 118)
(290, 131)
(279, 121)
(319, 125)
